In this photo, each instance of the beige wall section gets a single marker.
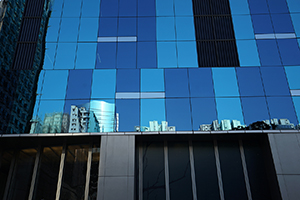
(116, 172)
(285, 149)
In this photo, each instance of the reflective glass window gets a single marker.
(239, 7)
(40, 83)
(274, 80)
(289, 51)
(55, 84)
(127, 7)
(152, 110)
(183, 7)
(176, 81)
(128, 111)
(69, 30)
(187, 54)
(74, 102)
(152, 80)
(243, 27)
(104, 84)
(90, 8)
(247, 51)
(292, 74)
(164, 8)
(262, 24)
(127, 27)
(106, 55)
(146, 29)
(296, 101)
(254, 109)
(72, 8)
(88, 29)
(201, 82)
(79, 84)
(278, 6)
(185, 28)
(52, 31)
(282, 108)
(108, 26)
(109, 8)
(166, 55)
(293, 5)
(146, 8)
(128, 80)
(49, 55)
(258, 6)
(296, 19)
(229, 108)
(178, 113)
(165, 28)
(86, 56)
(146, 55)
(126, 55)
(203, 111)
(65, 56)
(268, 52)
(225, 83)
(249, 81)
(57, 8)
(282, 23)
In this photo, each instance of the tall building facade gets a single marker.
(221, 76)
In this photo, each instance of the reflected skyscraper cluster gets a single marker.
(154, 126)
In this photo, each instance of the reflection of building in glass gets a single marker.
(280, 124)
(154, 126)
(224, 125)
(55, 123)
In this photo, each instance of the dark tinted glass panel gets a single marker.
(127, 7)
(179, 171)
(254, 109)
(108, 27)
(227, 53)
(223, 28)
(206, 171)
(146, 8)
(220, 7)
(109, 8)
(282, 23)
(128, 80)
(79, 84)
(268, 52)
(126, 55)
(204, 28)
(146, 29)
(278, 6)
(232, 170)
(48, 173)
(6, 158)
(258, 6)
(201, 7)
(127, 27)
(146, 55)
(153, 171)
(289, 51)
(262, 24)
(200, 82)
(125, 109)
(207, 56)
(176, 81)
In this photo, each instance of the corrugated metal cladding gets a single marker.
(29, 33)
(215, 34)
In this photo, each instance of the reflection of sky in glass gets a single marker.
(152, 110)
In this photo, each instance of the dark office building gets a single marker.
(156, 99)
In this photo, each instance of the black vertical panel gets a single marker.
(223, 27)
(24, 56)
(203, 28)
(201, 7)
(220, 7)
(30, 30)
(227, 53)
(232, 170)
(207, 56)
(206, 171)
(34, 8)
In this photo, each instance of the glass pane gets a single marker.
(278, 6)
(69, 30)
(239, 7)
(296, 19)
(176, 81)
(229, 109)
(243, 26)
(164, 8)
(248, 55)
(225, 82)
(165, 28)
(185, 28)
(282, 23)
(65, 56)
(201, 83)
(88, 29)
(262, 24)
(153, 110)
(72, 8)
(126, 55)
(6, 158)
(52, 31)
(109, 8)
(127, 7)
(128, 80)
(108, 26)
(258, 6)
(152, 80)
(183, 7)
(146, 55)
(104, 84)
(86, 56)
(268, 52)
(166, 55)
(289, 51)
(79, 80)
(254, 109)
(90, 8)
(57, 8)
(146, 28)
(127, 27)
(128, 111)
(296, 101)
(49, 55)
(293, 5)
(146, 8)
(106, 55)
(187, 54)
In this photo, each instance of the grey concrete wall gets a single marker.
(285, 148)
(116, 175)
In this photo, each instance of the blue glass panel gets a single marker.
(86, 56)
(293, 5)
(79, 84)
(185, 28)
(187, 54)
(52, 31)
(183, 7)
(239, 7)
(282, 108)
(164, 8)
(146, 8)
(166, 54)
(292, 74)
(88, 29)
(278, 6)
(249, 80)
(243, 27)
(106, 55)
(104, 84)
(127, 27)
(40, 84)
(203, 111)
(108, 27)
(72, 8)
(268, 52)
(229, 108)
(146, 55)
(179, 113)
(258, 6)
(128, 111)
(152, 110)
(146, 29)
(255, 109)
(57, 8)
(262, 24)
(176, 81)
(49, 108)
(152, 80)
(296, 101)
(225, 82)
(201, 84)
(55, 84)
(69, 30)
(78, 103)
(127, 7)
(296, 20)
(128, 80)
(248, 54)
(289, 51)
(90, 8)
(49, 55)
(126, 55)
(109, 8)
(282, 23)
(274, 80)
(165, 28)
(65, 56)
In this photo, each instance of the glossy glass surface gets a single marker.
(268, 52)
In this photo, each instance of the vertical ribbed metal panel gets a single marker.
(207, 54)
(201, 7)
(24, 56)
(34, 8)
(30, 30)
(227, 53)
(223, 27)
(204, 28)
(220, 7)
